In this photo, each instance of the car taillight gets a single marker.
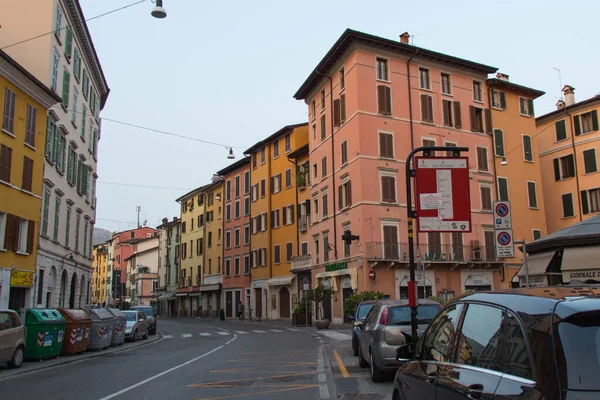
(383, 318)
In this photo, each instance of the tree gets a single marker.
(317, 296)
(352, 302)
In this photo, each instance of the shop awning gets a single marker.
(334, 282)
(281, 280)
(181, 294)
(477, 280)
(537, 264)
(581, 263)
(195, 294)
(340, 272)
(166, 296)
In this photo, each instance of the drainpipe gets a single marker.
(576, 167)
(295, 162)
(412, 134)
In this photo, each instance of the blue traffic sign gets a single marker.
(305, 281)
(502, 210)
(504, 238)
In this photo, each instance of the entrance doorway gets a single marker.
(258, 300)
(228, 304)
(238, 296)
(72, 294)
(327, 307)
(284, 303)
(16, 299)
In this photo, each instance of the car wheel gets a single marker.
(147, 334)
(17, 358)
(376, 374)
(135, 336)
(361, 361)
(396, 395)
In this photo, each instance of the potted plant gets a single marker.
(300, 317)
(318, 295)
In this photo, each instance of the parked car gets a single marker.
(150, 315)
(12, 339)
(382, 333)
(527, 343)
(137, 325)
(362, 310)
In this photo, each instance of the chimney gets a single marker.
(175, 218)
(404, 38)
(502, 76)
(560, 104)
(569, 92)
(165, 220)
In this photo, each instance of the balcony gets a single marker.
(303, 223)
(301, 263)
(378, 251)
(302, 179)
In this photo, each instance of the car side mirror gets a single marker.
(405, 352)
(351, 318)
(141, 320)
(358, 324)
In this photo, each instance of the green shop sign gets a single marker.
(336, 266)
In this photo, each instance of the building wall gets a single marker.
(214, 228)
(192, 207)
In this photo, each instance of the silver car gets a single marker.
(137, 325)
(382, 333)
(12, 339)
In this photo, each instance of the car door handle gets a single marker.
(475, 391)
(432, 377)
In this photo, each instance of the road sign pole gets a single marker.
(525, 266)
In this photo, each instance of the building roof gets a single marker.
(283, 131)
(581, 234)
(139, 253)
(169, 223)
(589, 101)
(513, 87)
(299, 152)
(29, 76)
(234, 167)
(351, 37)
(194, 192)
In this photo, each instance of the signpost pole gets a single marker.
(525, 266)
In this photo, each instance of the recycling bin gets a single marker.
(101, 329)
(118, 334)
(77, 332)
(44, 331)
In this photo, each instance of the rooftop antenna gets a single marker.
(138, 208)
(560, 83)
(412, 38)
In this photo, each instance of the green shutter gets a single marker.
(570, 160)
(56, 145)
(584, 202)
(503, 100)
(530, 106)
(49, 136)
(70, 165)
(527, 148)
(595, 120)
(69, 42)
(83, 122)
(561, 130)
(577, 125)
(556, 169)
(499, 139)
(65, 88)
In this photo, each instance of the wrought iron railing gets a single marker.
(433, 253)
(303, 223)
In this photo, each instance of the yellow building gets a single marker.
(191, 252)
(273, 221)
(212, 276)
(99, 274)
(516, 167)
(24, 103)
(568, 140)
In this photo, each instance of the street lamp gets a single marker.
(158, 11)
(504, 162)
(230, 156)
(524, 260)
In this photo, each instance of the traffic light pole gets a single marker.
(412, 285)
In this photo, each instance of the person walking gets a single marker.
(240, 310)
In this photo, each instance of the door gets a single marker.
(435, 349)
(258, 300)
(390, 242)
(284, 303)
(237, 301)
(229, 305)
(476, 371)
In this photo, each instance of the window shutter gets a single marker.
(285, 221)
(457, 116)
(349, 193)
(307, 207)
(388, 100)
(499, 139)
(343, 108)
(473, 118)
(589, 161)
(30, 236)
(340, 202)
(298, 211)
(381, 99)
(595, 120)
(65, 89)
(272, 219)
(557, 169)
(15, 236)
(527, 148)
(571, 165)
(488, 121)
(503, 100)
(323, 127)
(336, 112)
(530, 107)
(8, 231)
(584, 202)
(567, 205)
(382, 145)
(577, 125)
(291, 208)
(69, 42)
(272, 184)
(445, 110)
(561, 130)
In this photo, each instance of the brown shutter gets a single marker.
(16, 229)
(381, 99)
(285, 221)
(423, 108)
(272, 184)
(445, 112)
(340, 202)
(27, 174)
(430, 108)
(488, 121)
(457, 116)
(336, 112)
(343, 108)
(8, 231)
(388, 100)
(272, 219)
(386, 188)
(473, 119)
(5, 163)
(349, 194)
(382, 145)
(30, 236)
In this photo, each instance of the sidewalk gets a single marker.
(287, 323)
(30, 366)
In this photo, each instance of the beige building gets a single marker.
(142, 267)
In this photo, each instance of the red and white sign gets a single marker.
(443, 195)
(73, 336)
(372, 274)
(40, 338)
(118, 329)
(101, 333)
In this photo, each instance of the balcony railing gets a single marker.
(378, 251)
(303, 223)
(302, 179)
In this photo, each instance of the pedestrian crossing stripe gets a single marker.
(168, 336)
(241, 332)
(223, 333)
(186, 335)
(204, 334)
(257, 331)
(275, 330)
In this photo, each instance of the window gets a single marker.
(345, 195)
(322, 99)
(57, 22)
(424, 82)
(289, 251)
(246, 182)
(388, 187)
(499, 142)
(288, 215)
(315, 171)
(313, 108)
(560, 128)
(85, 240)
(304, 248)
(590, 200)
(236, 237)
(209, 241)
(382, 69)
(503, 188)
(263, 222)
(314, 131)
(276, 183)
(77, 224)
(5, 163)
(447, 113)
(66, 88)
(532, 195)
(254, 160)
(438, 341)
(27, 174)
(527, 150)
(585, 123)
(476, 119)
(83, 124)
(277, 254)
(446, 83)
(480, 344)
(263, 155)
(30, 125)
(246, 206)
(228, 212)
(316, 204)
(498, 99)
(85, 85)
(236, 266)
(228, 190)
(227, 239)
(482, 159)
(486, 198)
(45, 213)
(228, 267)
(564, 167)
(74, 108)
(288, 178)
(567, 203)
(316, 248)
(77, 65)
(324, 167)
(477, 95)
(23, 246)
(8, 123)
(386, 145)
(263, 187)
(246, 234)
(346, 246)
(537, 234)
(450, 144)
(276, 149)
(68, 227)
(288, 142)
(325, 247)
(325, 204)
(384, 100)
(323, 127)
(342, 80)
(518, 361)
(344, 152)
(55, 71)
(237, 209)
(426, 108)
(275, 218)
(246, 264)
(589, 161)
(56, 218)
(526, 107)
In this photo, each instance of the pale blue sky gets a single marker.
(226, 71)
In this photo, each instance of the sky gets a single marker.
(226, 72)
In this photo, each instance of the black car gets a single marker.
(362, 310)
(528, 343)
(151, 315)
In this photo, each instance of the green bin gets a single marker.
(44, 331)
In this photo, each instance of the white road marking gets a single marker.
(168, 336)
(275, 330)
(241, 332)
(322, 378)
(204, 334)
(293, 330)
(257, 331)
(337, 335)
(186, 335)
(127, 389)
(323, 391)
(224, 333)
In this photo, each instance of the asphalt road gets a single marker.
(195, 360)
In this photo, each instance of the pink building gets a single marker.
(364, 119)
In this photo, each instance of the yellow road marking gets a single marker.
(261, 393)
(252, 370)
(279, 356)
(283, 363)
(231, 381)
(340, 364)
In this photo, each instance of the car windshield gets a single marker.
(363, 310)
(130, 316)
(147, 311)
(579, 360)
(400, 315)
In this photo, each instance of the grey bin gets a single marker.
(102, 328)
(118, 333)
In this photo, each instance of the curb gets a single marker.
(66, 360)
